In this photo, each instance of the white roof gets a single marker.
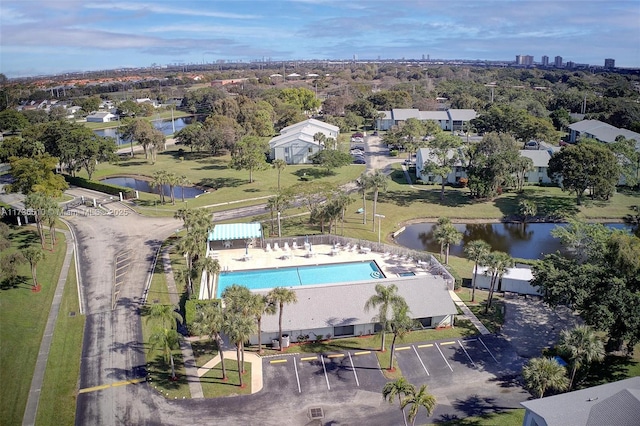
(540, 157)
(290, 137)
(332, 305)
(461, 114)
(310, 122)
(235, 231)
(100, 115)
(520, 274)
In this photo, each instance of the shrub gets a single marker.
(393, 153)
(100, 187)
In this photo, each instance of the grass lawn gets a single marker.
(58, 398)
(214, 387)
(23, 317)
(506, 418)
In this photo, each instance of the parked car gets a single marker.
(532, 145)
(359, 161)
(356, 151)
(375, 133)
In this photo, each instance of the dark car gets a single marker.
(359, 161)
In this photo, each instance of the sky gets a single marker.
(43, 37)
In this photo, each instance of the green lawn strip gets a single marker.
(203, 351)
(214, 387)
(158, 291)
(23, 316)
(505, 418)
(159, 371)
(58, 397)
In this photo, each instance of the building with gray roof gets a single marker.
(616, 403)
(337, 310)
(449, 120)
(600, 131)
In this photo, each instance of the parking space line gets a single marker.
(428, 345)
(325, 372)
(404, 348)
(277, 361)
(469, 340)
(308, 358)
(445, 360)
(354, 369)
(335, 356)
(362, 353)
(465, 351)
(447, 343)
(420, 359)
(485, 346)
(295, 367)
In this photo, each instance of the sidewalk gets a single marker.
(468, 314)
(256, 367)
(31, 409)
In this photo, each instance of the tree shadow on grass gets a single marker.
(20, 281)
(133, 163)
(612, 369)
(25, 239)
(550, 208)
(160, 372)
(218, 183)
(314, 172)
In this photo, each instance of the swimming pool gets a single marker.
(258, 279)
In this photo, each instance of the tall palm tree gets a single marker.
(260, 305)
(172, 181)
(364, 184)
(33, 255)
(446, 234)
(166, 315)
(497, 263)
(167, 340)
(476, 250)
(192, 246)
(159, 178)
(545, 373)
(399, 325)
(281, 296)
(238, 300)
(209, 320)
(211, 267)
(182, 182)
(200, 219)
(51, 215)
(582, 346)
(400, 388)
(279, 164)
(417, 399)
(385, 299)
(379, 182)
(239, 328)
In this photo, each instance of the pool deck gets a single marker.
(232, 259)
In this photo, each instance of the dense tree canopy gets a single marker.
(491, 165)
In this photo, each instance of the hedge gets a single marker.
(100, 187)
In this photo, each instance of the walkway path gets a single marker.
(31, 409)
(468, 314)
(256, 367)
(195, 388)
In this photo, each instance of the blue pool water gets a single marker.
(302, 275)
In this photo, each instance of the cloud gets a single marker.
(164, 10)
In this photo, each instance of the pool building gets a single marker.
(332, 286)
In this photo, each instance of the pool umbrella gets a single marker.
(246, 250)
(306, 239)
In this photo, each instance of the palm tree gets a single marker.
(364, 184)
(446, 234)
(51, 215)
(237, 299)
(378, 181)
(497, 263)
(167, 340)
(211, 267)
(281, 296)
(476, 250)
(582, 346)
(199, 219)
(182, 182)
(33, 255)
(279, 164)
(400, 388)
(545, 373)
(166, 315)
(527, 209)
(159, 178)
(385, 299)
(418, 399)
(192, 246)
(260, 305)
(239, 328)
(209, 320)
(399, 325)
(172, 181)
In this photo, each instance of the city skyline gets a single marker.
(43, 37)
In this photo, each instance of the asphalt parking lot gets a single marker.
(321, 373)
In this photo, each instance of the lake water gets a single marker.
(143, 186)
(526, 241)
(164, 126)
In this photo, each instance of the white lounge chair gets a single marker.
(276, 247)
(286, 246)
(295, 245)
(268, 247)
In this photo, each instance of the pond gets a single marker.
(526, 241)
(143, 185)
(164, 125)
